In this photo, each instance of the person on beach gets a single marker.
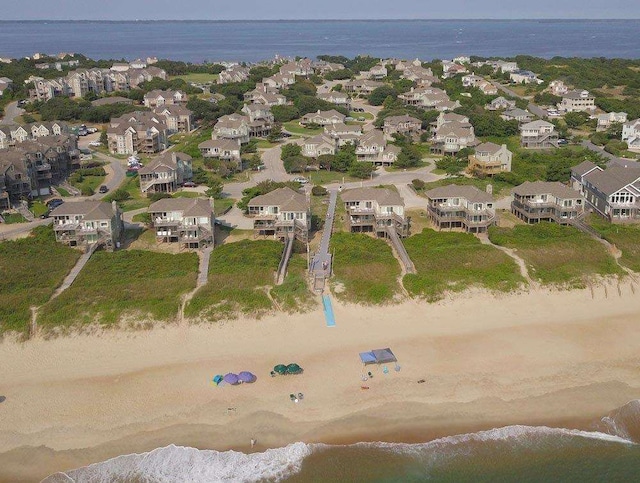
(253, 442)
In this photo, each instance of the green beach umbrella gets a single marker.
(280, 369)
(294, 369)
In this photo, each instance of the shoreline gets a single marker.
(541, 357)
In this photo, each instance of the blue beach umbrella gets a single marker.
(231, 378)
(246, 376)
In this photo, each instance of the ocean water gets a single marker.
(610, 453)
(253, 41)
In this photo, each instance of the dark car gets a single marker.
(46, 214)
(189, 184)
(54, 203)
(103, 189)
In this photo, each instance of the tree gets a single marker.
(318, 190)
(362, 170)
(284, 113)
(200, 176)
(295, 164)
(104, 140)
(290, 150)
(409, 157)
(378, 96)
(575, 119)
(344, 158)
(275, 134)
(215, 188)
(451, 165)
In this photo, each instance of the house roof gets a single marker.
(613, 179)
(517, 112)
(383, 196)
(375, 136)
(89, 209)
(111, 100)
(536, 125)
(470, 193)
(583, 168)
(165, 162)
(490, 148)
(227, 144)
(391, 120)
(188, 206)
(285, 198)
(555, 188)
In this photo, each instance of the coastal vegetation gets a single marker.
(294, 295)
(23, 281)
(115, 286)
(556, 254)
(453, 262)
(365, 269)
(624, 237)
(241, 275)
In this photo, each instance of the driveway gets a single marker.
(533, 108)
(11, 111)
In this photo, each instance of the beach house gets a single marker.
(344, 133)
(281, 213)
(234, 127)
(373, 148)
(524, 77)
(577, 101)
(319, 145)
(461, 207)
(86, 223)
(177, 118)
(137, 132)
(187, 221)
(362, 86)
(613, 193)
(500, 103)
(375, 210)
(517, 114)
(166, 173)
(604, 121)
(490, 159)
(547, 201)
(631, 135)
(158, 98)
(340, 99)
(323, 118)
(538, 135)
(405, 125)
(224, 149)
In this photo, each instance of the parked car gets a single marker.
(92, 130)
(301, 180)
(562, 142)
(103, 189)
(189, 184)
(54, 203)
(95, 143)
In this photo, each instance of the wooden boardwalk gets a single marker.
(320, 268)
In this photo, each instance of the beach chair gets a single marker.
(300, 396)
(385, 370)
(292, 397)
(397, 368)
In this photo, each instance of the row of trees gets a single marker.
(344, 161)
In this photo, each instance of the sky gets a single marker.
(319, 9)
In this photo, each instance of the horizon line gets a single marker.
(551, 19)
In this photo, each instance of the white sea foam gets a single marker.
(177, 463)
(624, 421)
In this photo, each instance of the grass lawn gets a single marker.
(221, 205)
(240, 274)
(295, 128)
(137, 200)
(294, 293)
(557, 254)
(198, 78)
(62, 191)
(11, 218)
(30, 271)
(188, 143)
(624, 237)
(365, 269)
(327, 177)
(38, 208)
(366, 115)
(453, 262)
(137, 283)
(89, 184)
(264, 144)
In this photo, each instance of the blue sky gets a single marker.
(319, 9)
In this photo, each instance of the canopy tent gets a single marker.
(378, 356)
(246, 376)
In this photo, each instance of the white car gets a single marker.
(95, 143)
(301, 180)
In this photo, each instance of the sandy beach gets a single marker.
(542, 357)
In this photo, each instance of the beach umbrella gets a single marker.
(231, 378)
(280, 369)
(246, 376)
(294, 369)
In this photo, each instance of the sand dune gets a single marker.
(544, 357)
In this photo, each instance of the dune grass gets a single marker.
(625, 237)
(365, 269)
(136, 283)
(453, 262)
(30, 271)
(557, 255)
(240, 275)
(294, 295)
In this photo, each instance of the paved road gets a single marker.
(116, 174)
(11, 111)
(533, 108)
